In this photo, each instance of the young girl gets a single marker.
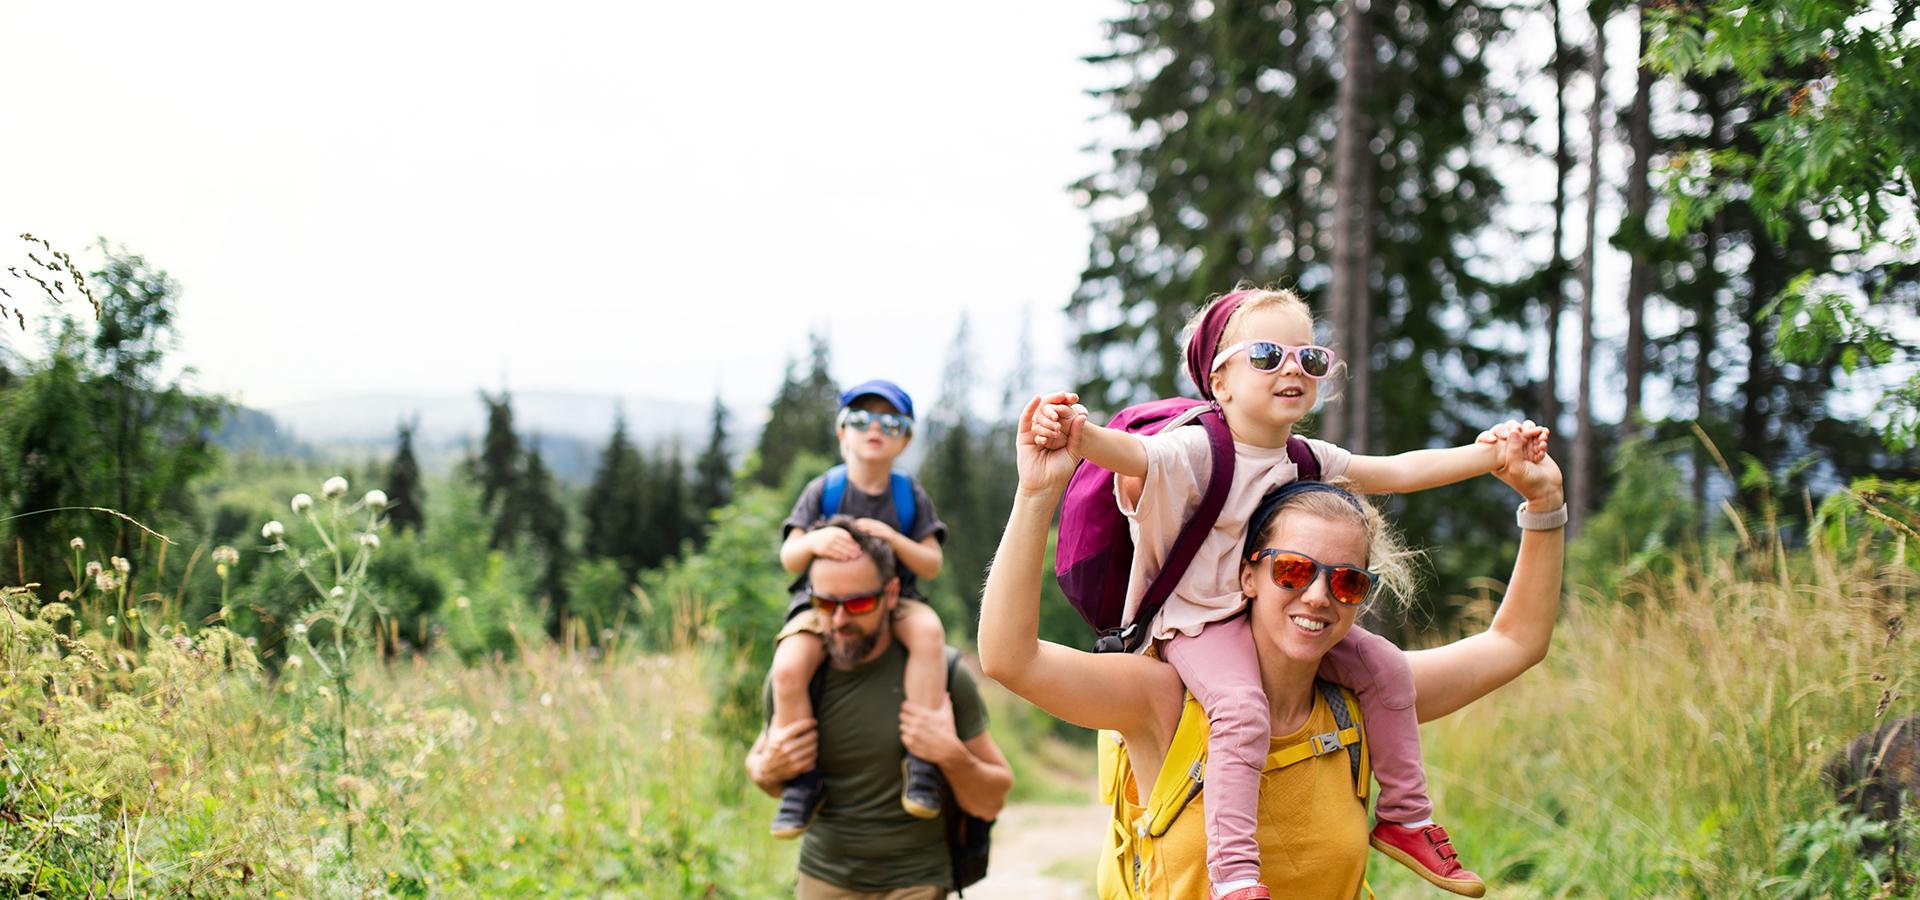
(874, 425)
(1252, 352)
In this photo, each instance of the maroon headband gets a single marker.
(1205, 341)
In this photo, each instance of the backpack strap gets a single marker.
(1347, 719)
(836, 488)
(904, 506)
(1192, 533)
(1303, 459)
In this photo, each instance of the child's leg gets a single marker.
(795, 659)
(1377, 673)
(1222, 671)
(919, 630)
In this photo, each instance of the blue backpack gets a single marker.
(903, 506)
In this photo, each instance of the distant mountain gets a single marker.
(454, 418)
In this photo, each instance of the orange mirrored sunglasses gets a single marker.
(1294, 571)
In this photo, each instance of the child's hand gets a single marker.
(834, 543)
(1532, 437)
(1053, 420)
(1042, 467)
(877, 528)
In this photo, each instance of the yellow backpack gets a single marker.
(1181, 778)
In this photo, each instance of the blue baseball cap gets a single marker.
(885, 390)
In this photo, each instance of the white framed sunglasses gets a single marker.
(1315, 361)
(891, 425)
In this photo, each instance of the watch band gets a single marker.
(1542, 521)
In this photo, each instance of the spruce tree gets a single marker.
(614, 507)
(406, 496)
(712, 473)
(546, 530)
(801, 418)
(499, 462)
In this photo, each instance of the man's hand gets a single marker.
(1533, 438)
(833, 542)
(929, 733)
(783, 752)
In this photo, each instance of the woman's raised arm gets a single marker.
(1449, 677)
(1107, 690)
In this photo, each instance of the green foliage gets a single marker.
(712, 473)
(730, 598)
(800, 421)
(1641, 528)
(407, 511)
(1829, 856)
(602, 596)
(497, 467)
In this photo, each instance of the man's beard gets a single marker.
(851, 651)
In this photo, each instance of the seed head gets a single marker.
(376, 500)
(335, 488)
(93, 569)
(78, 544)
(273, 531)
(121, 565)
(302, 503)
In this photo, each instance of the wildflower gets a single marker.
(65, 596)
(105, 583)
(294, 661)
(93, 569)
(299, 629)
(334, 489)
(111, 621)
(462, 601)
(273, 531)
(370, 541)
(225, 554)
(376, 500)
(78, 544)
(546, 699)
(302, 503)
(337, 592)
(121, 565)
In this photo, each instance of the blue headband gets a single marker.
(1278, 497)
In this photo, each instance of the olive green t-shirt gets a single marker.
(862, 839)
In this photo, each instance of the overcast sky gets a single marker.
(627, 198)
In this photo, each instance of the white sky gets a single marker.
(643, 199)
(650, 198)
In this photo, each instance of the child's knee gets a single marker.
(920, 629)
(795, 661)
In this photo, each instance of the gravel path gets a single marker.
(1043, 852)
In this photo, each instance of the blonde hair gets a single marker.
(1388, 557)
(1261, 298)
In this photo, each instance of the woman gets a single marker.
(1312, 849)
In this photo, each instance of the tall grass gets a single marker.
(1671, 742)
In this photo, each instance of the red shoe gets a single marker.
(1429, 853)
(1257, 892)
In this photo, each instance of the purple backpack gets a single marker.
(1094, 555)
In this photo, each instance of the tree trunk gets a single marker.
(1583, 467)
(1704, 331)
(1640, 276)
(1557, 264)
(1353, 219)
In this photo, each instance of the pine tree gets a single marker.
(499, 461)
(614, 507)
(712, 473)
(801, 418)
(406, 496)
(546, 529)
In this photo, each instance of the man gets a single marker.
(862, 845)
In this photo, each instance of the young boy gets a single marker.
(875, 425)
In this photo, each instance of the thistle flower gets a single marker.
(273, 531)
(78, 544)
(375, 500)
(302, 503)
(225, 555)
(121, 565)
(334, 488)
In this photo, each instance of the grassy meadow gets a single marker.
(1670, 746)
